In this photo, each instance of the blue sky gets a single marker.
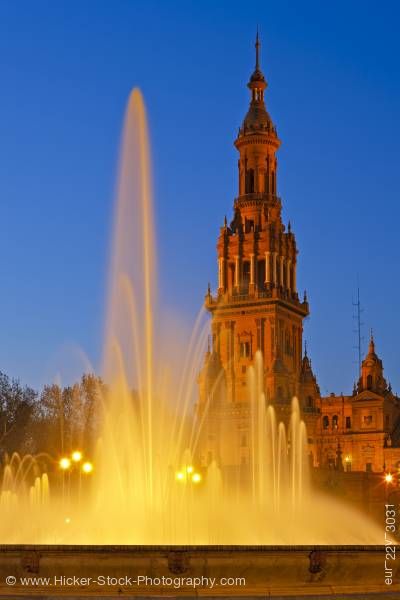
(67, 68)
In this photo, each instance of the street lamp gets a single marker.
(87, 467)
(188, 475)
(76, 456)
(388, 478)
(64, 463)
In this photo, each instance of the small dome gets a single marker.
(372, 357)
(257, 76)
(257, 118)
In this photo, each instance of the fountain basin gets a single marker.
(238, 571)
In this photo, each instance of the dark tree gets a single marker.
(17, 406)
(68, 418)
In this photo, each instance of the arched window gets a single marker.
(244, 349)
(309, 401)
(231, 280)
(325, 422)
(246, 275)
(335, 422)
(369, 382)
(249, 181)
(249, 225)
(266, 182)
(273, 183)
(261, 274)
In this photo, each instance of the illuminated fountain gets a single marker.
(146, 487)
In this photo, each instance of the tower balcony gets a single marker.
(255, 199)
(245, 296)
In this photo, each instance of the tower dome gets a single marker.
(372, 371)
(257, 118)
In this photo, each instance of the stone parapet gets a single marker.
(255, 571)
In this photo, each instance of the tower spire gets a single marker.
(257, 44)
(371, 342)
(257, 81)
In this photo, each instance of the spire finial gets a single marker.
(371, 342)
(305, 348)
(258, 44)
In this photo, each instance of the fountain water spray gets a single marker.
(146, 486)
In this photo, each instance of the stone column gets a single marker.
(294, 278)
(237, 266)
(281, 271)
(221, 274)
(267, 269)
(288, 269)
(252, 269)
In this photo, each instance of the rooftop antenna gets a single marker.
(358, 330)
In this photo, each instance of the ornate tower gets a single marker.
(372, 372)
(256, 306)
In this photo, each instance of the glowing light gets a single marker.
(189, 469)
(87, 467)
(196, 477)
(388, 478)
(67, 520)
(347, 459)
(76, 456)
(179, 476)
(65, 463)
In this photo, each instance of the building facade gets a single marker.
(257, 320)
(360, 432)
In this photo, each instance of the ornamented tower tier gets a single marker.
(257, 306)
